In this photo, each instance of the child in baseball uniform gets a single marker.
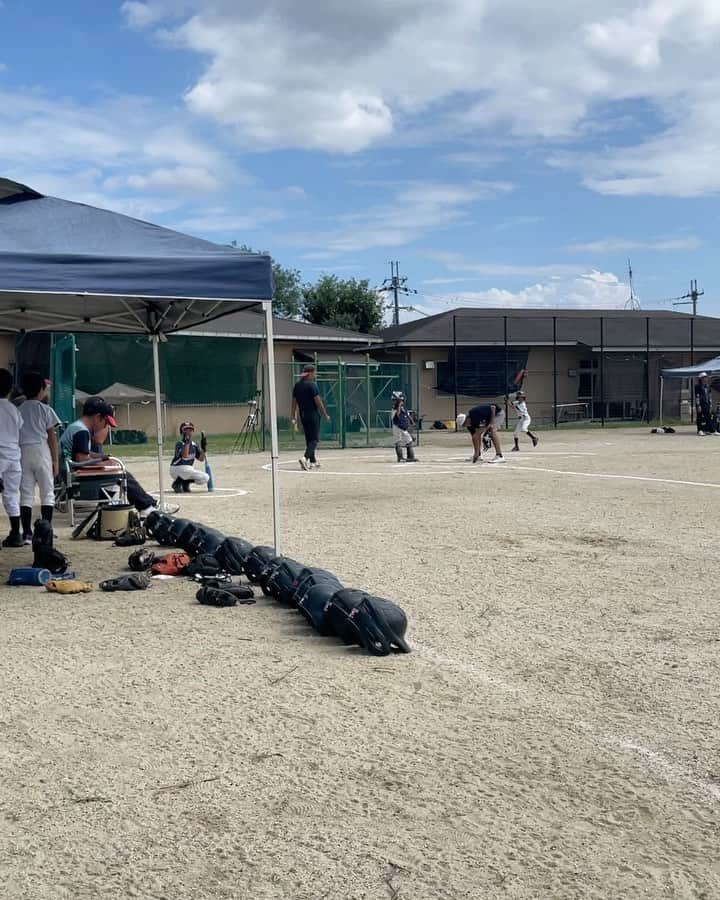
(523, 420)
(401, 420)
(38, 451)
(10, 424)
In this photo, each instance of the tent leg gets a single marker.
(662, 384)
(274, 443)
(158, 414)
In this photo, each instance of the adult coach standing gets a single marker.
(306, 401)
(703, 406)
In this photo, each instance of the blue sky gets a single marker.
(503, 152)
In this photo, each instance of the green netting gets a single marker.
(62, 375)
(193, 370)
(358, 398)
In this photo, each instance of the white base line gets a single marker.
(652, 761)
(704, 484)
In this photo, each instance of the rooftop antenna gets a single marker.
(689, 299)
(632, 301)
(396, 285)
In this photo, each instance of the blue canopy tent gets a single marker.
(70, 267)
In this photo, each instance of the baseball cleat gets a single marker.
(303, 464)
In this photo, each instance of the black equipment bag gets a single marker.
(232, 553)
(176, 530)
(315, 603)
(205, 540)
(204, 564)
(378, 625)
(45, 556)
(161, 530)
(283, 580)
(309, 577)
(186, 536)
(257, 561)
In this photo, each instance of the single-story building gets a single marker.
(577, 364)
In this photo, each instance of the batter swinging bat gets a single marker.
(208, 470)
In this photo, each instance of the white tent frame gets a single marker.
(118, 322)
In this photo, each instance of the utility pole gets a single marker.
(691, 298)
(396, 285)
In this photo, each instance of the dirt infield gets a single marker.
(553, 734)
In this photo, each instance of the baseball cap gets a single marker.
(703, 375)
(460, 420)
(184, 425)
(96, 406)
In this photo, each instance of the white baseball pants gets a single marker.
(10, 473)
(189, 473)
(523, 424)
(37, 470)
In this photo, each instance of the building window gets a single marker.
(481, 371)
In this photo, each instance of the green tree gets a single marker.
(342, 303)
(288, 296)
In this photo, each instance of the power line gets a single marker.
(396, 285)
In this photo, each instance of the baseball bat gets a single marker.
(208, 470)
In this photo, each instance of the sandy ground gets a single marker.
(553, 734)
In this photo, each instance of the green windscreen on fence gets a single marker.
(62, 375)
(357, 396)
(193, 370)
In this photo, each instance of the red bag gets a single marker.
(172, 564)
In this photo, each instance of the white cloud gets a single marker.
(584, 290)
(229, 223)
(329, 75)
(623, 245)
(140, 15)
(187, 179)
(145, 161)
(415, 209)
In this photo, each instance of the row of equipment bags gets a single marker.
(356, 617)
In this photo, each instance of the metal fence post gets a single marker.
(341, 404)
(368, 383)
(507, 402)
(602, 371)
(455, 367)
(555, 411)
(647, 367)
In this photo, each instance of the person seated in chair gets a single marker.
(82, 442)
(182, 468)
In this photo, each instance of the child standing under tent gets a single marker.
(38, 451)
(10, 424)
(523, 421)
(401, 420)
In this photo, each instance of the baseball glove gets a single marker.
(141, 560)
(208, 596)
(69, 587)
(135, 582)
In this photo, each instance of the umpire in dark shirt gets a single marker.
(306, 401)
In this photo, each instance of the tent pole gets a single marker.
(662, 383)
(274, 448)
(158, 414)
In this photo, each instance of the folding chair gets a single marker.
(87, 485)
